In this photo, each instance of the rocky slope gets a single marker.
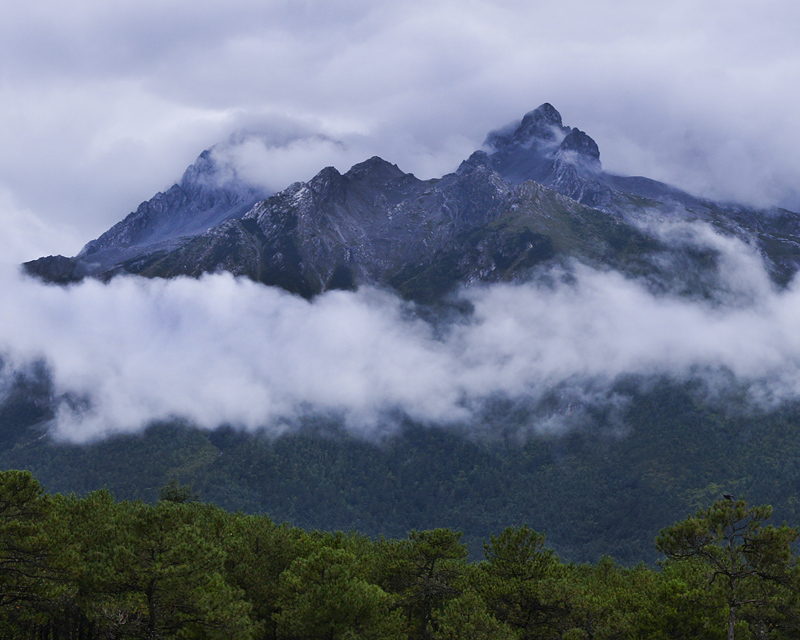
(537, 195)
(206, 196)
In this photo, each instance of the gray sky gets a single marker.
(103, 104)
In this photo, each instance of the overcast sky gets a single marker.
(103, 104)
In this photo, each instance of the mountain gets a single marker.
(206, 196)
(537, 195)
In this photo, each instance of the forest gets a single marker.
(92, 567)
(603, 487)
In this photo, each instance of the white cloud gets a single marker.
(223, 350)
(24, 236)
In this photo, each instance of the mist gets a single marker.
(221, 350)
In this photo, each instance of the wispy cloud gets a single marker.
(221, 350)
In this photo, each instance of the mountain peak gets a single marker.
(328, 183)
(376, 224)
(207, 173)
(376, 167)
(542, 125)
(539, 147)
(327, 173)
(477, 159)
(577, 141)
(544, 113)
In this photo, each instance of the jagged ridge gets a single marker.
(538, 194)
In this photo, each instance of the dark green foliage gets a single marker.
(425, 574)
(176, 492)
(748, 568)
(93, 568)
(521, 584)
(325, 595)
(467, 616)
(606, 485)
(24, 549)
(25, 401)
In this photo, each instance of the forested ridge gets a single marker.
(92, 567)
(604, 487)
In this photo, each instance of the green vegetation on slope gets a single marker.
(606, 487)
(91, 568)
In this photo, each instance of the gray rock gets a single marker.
(537, 195)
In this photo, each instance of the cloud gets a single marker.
(221, 350)
(25, 236)
(275, 161)
(106, 103)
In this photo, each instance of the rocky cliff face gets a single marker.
(377, 225)
(201, 200)
(205, 197)
(537, 195)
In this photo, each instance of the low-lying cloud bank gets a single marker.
(221, 350)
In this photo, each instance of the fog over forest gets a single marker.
(222, 350)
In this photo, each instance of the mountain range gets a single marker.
(534, 202)
(537, 195)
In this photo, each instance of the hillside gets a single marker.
(603, 449)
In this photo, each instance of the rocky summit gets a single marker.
(536, 195)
